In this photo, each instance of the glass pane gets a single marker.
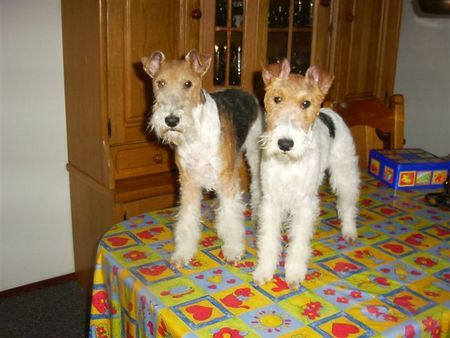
(279, 13)
(235, 58)
(301, 51)
(221, 13)
(237, 13)
(276, 46)
(303, 13)
(220, 58)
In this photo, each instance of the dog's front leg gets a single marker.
(269, 241)
(188, 228)
(300, 233)
(230, 218)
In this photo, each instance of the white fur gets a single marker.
(197, 137)
(290, 182)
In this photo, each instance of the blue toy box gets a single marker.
(408, 168)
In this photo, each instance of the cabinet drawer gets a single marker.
(130, 209)
(141, 159)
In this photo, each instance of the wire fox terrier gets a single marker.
(299, 143)
(209, 133)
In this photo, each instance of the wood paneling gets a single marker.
(363, 51)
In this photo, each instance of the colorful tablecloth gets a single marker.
(394, 282)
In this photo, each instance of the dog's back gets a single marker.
(240, 107)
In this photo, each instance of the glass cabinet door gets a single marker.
(290, 32)
(228, 42)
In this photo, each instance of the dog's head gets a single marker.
(292, 103)
(177, 87)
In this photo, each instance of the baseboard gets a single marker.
(38, 285)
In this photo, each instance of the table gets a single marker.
(394, 282)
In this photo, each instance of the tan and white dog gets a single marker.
(299, 143)
(209, 133)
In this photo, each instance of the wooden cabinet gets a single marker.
(363, 48)
(116, 169)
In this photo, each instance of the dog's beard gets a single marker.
(171, 136)
(268, 143)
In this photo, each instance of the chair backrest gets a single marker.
(373, 124)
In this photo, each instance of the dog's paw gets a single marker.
(232, 255)
(262, 275)
(350, 235)
(179, 260)
(295, 274)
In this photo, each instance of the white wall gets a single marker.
(36, 235)
(423, 77)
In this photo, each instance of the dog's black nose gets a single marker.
(172, 121)
(285, 144)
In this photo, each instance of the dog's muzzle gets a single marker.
(285, 144)
(172, 121)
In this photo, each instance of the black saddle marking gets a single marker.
(241, 107)
(328, 121)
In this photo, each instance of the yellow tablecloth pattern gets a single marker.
(395, 282)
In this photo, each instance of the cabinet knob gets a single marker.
(158, 158)
(196, 14)
(325, 3)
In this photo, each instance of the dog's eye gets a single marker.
(161, 83)
(306, 104)
(188, 84)
(277, 99)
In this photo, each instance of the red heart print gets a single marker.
(200, 276)
(117, 241)
(155, 270)
(145, 234)
(388, 211)
(212, 287)
(343, 330)
(200, 312)
(217, 272)
(385, 270)
(395, 248)
(231, 281)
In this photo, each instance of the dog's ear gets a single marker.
(285, 69)
(199, 62)
(280, 70)
(270, 71)
(152, 64)
(320, 78)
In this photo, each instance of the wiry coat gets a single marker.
(209, 133)
(300, 141)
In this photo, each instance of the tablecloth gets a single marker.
(394, 282)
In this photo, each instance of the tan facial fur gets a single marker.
(177, 87)
(176, 80)
(294, 97)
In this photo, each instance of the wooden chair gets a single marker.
(373, 124)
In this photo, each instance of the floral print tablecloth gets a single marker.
(394, 282)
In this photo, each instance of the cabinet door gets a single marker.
(230, 34)
(136, 28)
(364, 48)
